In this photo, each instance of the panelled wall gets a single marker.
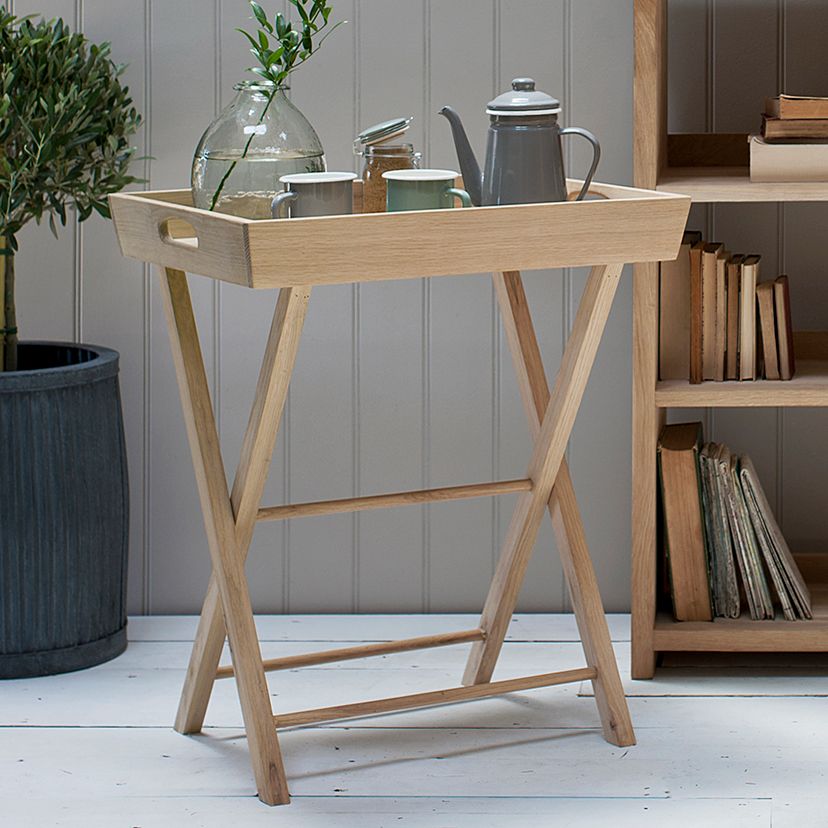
(753, 49)
(410, 385)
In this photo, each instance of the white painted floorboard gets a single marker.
(718, 745)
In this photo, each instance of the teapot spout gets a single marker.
(472, 179)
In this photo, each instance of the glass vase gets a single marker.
(257, 138)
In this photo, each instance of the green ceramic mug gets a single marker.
(422, 190)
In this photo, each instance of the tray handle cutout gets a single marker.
(178, 233)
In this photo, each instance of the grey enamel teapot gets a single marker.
(524, 157)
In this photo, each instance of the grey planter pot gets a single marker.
(64, 511)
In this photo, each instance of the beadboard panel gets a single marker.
(403, 386)
(111, 310)
(803, 435)
(390, 564)
(182, 98)
(524, 48)
(600, 445)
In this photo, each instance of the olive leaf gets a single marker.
(295, 46)
(65, 123)
(65, 127)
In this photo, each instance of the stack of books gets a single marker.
(723, 545)
(793, 145)
(709, 303)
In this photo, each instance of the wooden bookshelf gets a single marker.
(709, 169)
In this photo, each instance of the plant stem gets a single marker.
(2, 309)
(244, 153)
(10, 320)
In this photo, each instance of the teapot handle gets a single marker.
(596, 155)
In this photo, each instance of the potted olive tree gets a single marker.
(65, 128)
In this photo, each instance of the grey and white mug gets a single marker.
(314, 194)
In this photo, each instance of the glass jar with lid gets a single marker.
(380, 155)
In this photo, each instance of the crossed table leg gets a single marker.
(230, 518)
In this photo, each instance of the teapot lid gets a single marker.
(524, 99)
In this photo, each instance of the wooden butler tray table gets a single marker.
(626, 226)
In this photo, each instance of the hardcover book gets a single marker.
(784, 328)
(789, 107)
(696, 314)
(747, 318)
(767, 325)
(711, 272)
(734, 278)
(675, 313)
(684, 537)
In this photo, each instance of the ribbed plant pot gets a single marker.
(64, 511)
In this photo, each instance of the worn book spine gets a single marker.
(731, 584)
(710, 259)
(789, 107)
(784, 328)
(804, 129)
(767, 323)
(684, 533)
(721, 314)
(764, 602)
(711, 538)
(747, 318)
(736, 529)
(675, 314)
(696, 313)
(732, 347)
(795, 583)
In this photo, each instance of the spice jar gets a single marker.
(381, 156)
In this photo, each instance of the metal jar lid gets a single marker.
(379, 133)
(524, 99)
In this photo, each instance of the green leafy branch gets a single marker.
(281, 49)
(66, 123)
(291, 47)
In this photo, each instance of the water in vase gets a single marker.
(252, 182)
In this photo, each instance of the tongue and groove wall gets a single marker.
(407, 385)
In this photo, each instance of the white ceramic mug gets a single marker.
(315, 194)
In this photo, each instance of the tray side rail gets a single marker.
(623, 226)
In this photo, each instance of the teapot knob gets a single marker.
(523, 85)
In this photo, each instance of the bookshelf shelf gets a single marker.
(740, 635)
(808, 389)
(723, 185)
(744, 635)
(653, 632)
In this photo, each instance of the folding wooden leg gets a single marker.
(257, 450)
(223, 532)
(547, 458)
(565, 515)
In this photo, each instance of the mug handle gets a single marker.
(465, 198)
(278, 207)
(596, 155)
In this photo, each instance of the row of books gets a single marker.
(709, 302)
(793, 145)
(724, 548)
